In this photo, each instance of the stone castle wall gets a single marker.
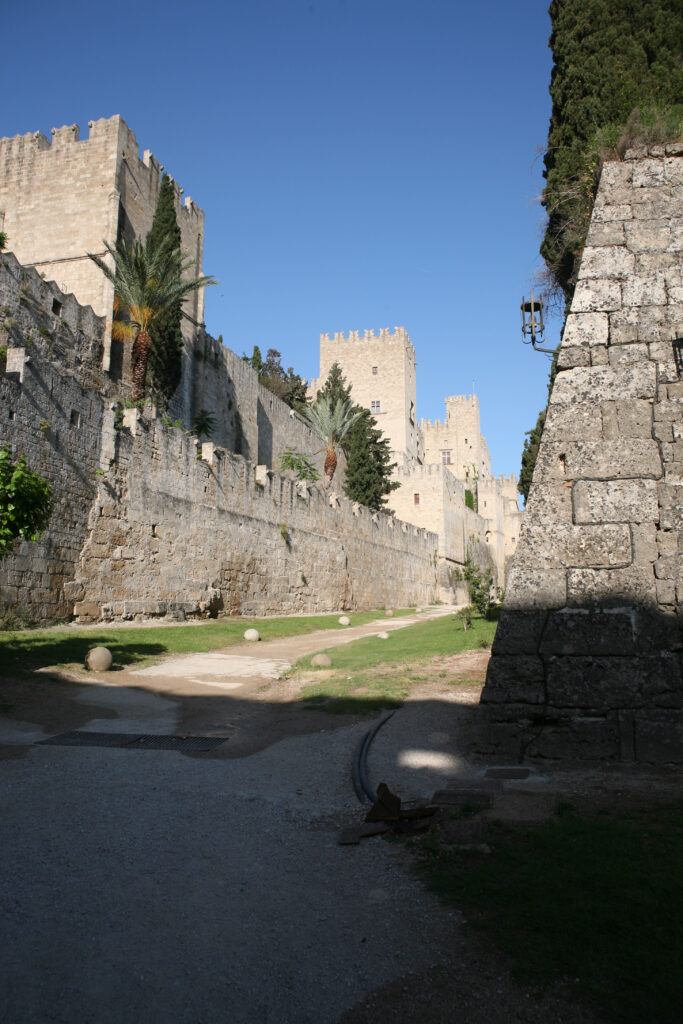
(440, 507)
(140, 525)
(171, 533)
(587, 658)
(53, 404)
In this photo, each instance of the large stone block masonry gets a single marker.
(587, 658)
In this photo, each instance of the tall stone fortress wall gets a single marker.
(59, 200)
(587, 657)
(458, 445)
(172, 533)
(431, 497)
(381, 371)
(140, 525)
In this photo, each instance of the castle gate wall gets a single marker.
(587, 657)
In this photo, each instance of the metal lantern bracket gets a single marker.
(532, 323)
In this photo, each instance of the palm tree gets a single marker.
(330, 422)
(147, 280)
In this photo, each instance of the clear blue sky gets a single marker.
(361, 164)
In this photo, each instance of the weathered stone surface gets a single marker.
(625, 355)
(644, 290)
(573, 422)
(588, 737)
(573, 355)
(659, 736)
(530, 588)
(648, 236)
(573, 631)
(611, 587)
(552, 499)
(519, 632)
(611, 261)
(615, 501)
(605, 384)
(648, 172)
(525, 672)
(599, 460)
(586, 329)
(627, 419)
(596, 295)
(562, 545)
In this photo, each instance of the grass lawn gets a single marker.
(370, 674)
(597, 901)
(25, 650)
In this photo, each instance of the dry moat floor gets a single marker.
(196, 884)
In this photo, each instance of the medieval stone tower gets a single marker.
(381, 371)
(437, 463)
(59, 200)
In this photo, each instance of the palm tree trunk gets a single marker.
(330, 466)
(139, 357)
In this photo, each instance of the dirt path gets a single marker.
(235, 693)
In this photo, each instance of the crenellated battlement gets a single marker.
(106, 133)
(399, 334)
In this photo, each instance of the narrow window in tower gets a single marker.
(416, 499)
(375, 406)
(374, 371)
(446, 457)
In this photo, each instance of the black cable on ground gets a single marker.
(361, 783)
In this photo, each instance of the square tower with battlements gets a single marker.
(457, 441)
(60, 199)
(381, 371)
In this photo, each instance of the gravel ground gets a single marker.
(145, 885)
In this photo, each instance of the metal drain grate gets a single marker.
(134, 741)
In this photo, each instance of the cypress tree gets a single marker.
(617, 80)
(165, 360)
(368, 467)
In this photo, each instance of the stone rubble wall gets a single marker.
(587, 658)
(174, 534)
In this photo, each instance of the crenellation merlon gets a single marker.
(384, 334)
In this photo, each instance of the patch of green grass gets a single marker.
(358, 695)
(26, 650)
(423, 640)
(596, 901)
